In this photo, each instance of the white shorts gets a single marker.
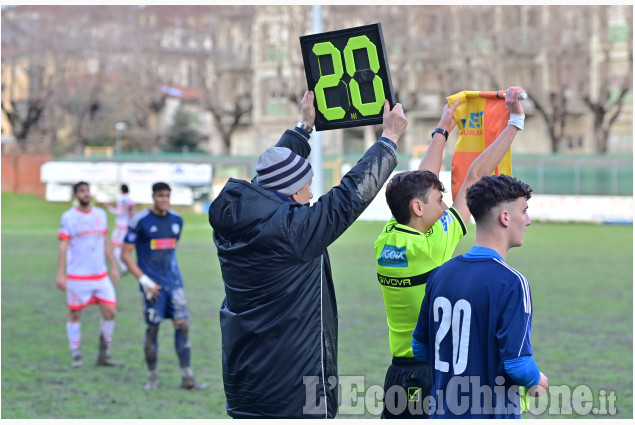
(82, 293)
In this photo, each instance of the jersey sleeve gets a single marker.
(180, 221)
(65, 231)
(133, 232)
(513, 330)
(446, 233)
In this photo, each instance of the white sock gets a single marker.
(74, 333)
(186, 372)
(107, 328)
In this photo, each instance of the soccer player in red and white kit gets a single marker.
(82, 273)
(123, 213)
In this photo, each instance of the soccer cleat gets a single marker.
(77, 361)
(107, 361)
(189, 383)
(153, 382)
(104, 359)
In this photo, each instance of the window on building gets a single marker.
(275, 103)
(618, 34)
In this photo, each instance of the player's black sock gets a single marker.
(151, 346)
(182, 344)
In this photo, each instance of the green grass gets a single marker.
(581, 277)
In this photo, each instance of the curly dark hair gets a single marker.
(406, 186)
(491, 191)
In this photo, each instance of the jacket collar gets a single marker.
(280, 195)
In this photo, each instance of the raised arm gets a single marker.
(433, 156)
(316, 227)
(297, 140)
(487, 161)
(308, 109)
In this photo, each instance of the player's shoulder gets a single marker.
(174, 215)
(69, 212)
(511, 274)
(101, 213)
(138, 217)
(386, 232)
(98, 210)
(451, 222)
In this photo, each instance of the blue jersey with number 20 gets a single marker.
(476, 314)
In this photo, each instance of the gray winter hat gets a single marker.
(282, 170)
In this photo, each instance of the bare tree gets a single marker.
(289, 64)
(24, 114)
(145, 69)
(605, 107)
(79, 61)
(221, 54)
(67, 49)
(23, 53)
(85, 55)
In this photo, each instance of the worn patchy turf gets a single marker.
(581, 277)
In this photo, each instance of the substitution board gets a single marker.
(348, 72)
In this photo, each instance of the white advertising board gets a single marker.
(191, 174)
(72, 172)
(564, 208)
(595, 209)
(105, 178)
(59, 192)
(141, 193)
(145, 172)
(151, 172)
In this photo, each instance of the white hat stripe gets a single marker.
(284, 182)
(282, 172)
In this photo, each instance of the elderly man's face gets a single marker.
(303, 195)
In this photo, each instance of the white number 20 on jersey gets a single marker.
(451, 319)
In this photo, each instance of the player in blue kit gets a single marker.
(475, 320)
(154, 233)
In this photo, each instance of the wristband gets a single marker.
(517, 120)
(146, 282)
(442, 131)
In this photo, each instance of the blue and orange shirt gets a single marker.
(155, 239)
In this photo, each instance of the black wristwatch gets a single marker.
(304, 127)
(442, 131)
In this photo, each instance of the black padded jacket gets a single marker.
(279, 317)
